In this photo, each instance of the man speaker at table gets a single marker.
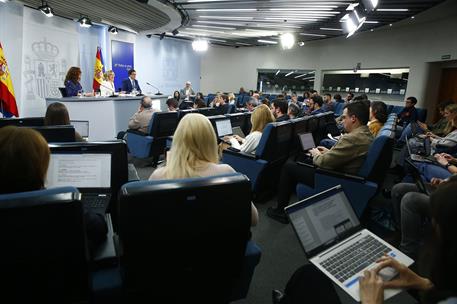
(130, 83)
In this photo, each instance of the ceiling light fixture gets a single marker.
(370, 5)
(371, 22)
(330, 29)
(220, 23)
(267, 41)
(227, 17)
(290, 73)
(314, 35)
(45, 9)
(214, 27)
(162, 36)
(301, 43)
(277, 72)
(113, 30)
(300, 75)
(227, 10)
(392, 9)
(200, 45)
(287, 41)
(84, 21)
(352, 22)
(175, 32)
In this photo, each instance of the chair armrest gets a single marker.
(340, 174)
(105, 254)
(236, 152)
(133, 173)
(136, 132)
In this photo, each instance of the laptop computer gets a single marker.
(223, 127)
(306, 141)
(238, 131)
(82, 127)
(421, 185)
(89, 172)
(334, 241)
(427, 151)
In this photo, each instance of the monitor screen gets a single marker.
(223, 127)
(321, 220)
(307, 141)
(79, 170)
(81, 126)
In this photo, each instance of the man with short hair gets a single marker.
(406, 116)
(187, 91)
(131, 84)
(279, 110)
(221, 104)
(349, 97)
(251, 104)
(328, 103)
(337, 98)
(293, 110)
(346, 156)
(315, 105)
(140, 120)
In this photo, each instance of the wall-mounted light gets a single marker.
(162, 35)
(200, 45)
(175, 32)
(287, 41)
(84, 21)
(113, 30)
(46, 9)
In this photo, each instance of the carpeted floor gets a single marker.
(281, 254)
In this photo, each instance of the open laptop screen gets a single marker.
(307, 141)
(81, 170)
(81, 126)
(223, 127)
(322, 219)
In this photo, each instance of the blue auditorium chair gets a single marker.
(187, 240)
(339, 107)
(363, 186)
(44, 256)
(152, 144)
(264, 166)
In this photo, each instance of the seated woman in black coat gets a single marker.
(25, 159)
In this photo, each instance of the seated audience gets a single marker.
(378, 117)
(251, 105)
(259, 119)
(448, 141)
(407, 115)
(72, 83)
(177, 96)
(306, 96)
(25, 159)
(293, 110)
(172, 105)
(346, 156)
(231, 98)
(57, 115)
(221, 104)
(328, 103)
(107, 86)
(266, 102)
(199, 95)
(130, 84)
(294, 100)
(140, 120)
(349, 97)
(199, 103)
(315, 105)
(279, 110)
(439, 285)
(194, 153)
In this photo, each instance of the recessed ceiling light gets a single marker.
(227, 17)
(220, 23)
(277, 72)
(200, 45)
(412, 17)
(302, 9)
(372, 22)
(371, 30)
(287, 41)
(290, 73)
(301, 75)
(290, 19)
(267, 41)
(301, 43)
(315, 35)
(392, 9)
(390, 24)
(227, 10)
(214, 27)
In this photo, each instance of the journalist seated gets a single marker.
(347, 156)
(140, 120)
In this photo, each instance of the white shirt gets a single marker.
(249, 144)
(107, 88)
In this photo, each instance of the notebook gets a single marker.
(82, 127)
(334, 241)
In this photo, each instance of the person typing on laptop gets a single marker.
(25, 159)
(347, 156)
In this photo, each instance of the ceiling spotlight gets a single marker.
(175, 32)
(200, 45)
(84, 21)
(162, 35)
(287, 41)
(46, 9)
(352, 22)
(370, 5)
(113, 30)
(301, 43)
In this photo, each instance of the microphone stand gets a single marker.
(158, 91)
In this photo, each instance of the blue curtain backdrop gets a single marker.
(121, 60)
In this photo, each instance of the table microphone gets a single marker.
(158, 91)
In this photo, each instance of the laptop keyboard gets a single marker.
(95, 201)
(355, 258)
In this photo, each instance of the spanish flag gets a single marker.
(98, 70)
(7, 99)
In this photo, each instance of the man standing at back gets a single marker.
(346, 156)
(140, 120)
(187, 91)
(131, 84)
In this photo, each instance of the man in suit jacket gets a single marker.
(347, 156)
(131, 83)
(187, 91)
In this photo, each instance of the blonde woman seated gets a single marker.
(107, 87)
(194, 153)
(259, 119)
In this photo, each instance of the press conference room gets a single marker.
(228, 151)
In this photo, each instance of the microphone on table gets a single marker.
(158, 90)
(110, 89)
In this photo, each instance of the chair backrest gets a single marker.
(378, 159)
(207, 111)
(275, 142)
(182, 113)
(163, 124)
(57, 133)
(299, 126)
(44, 254)
(339, 107)
(22, 122)
(63, 91)
(421, 114)
(190, 234)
